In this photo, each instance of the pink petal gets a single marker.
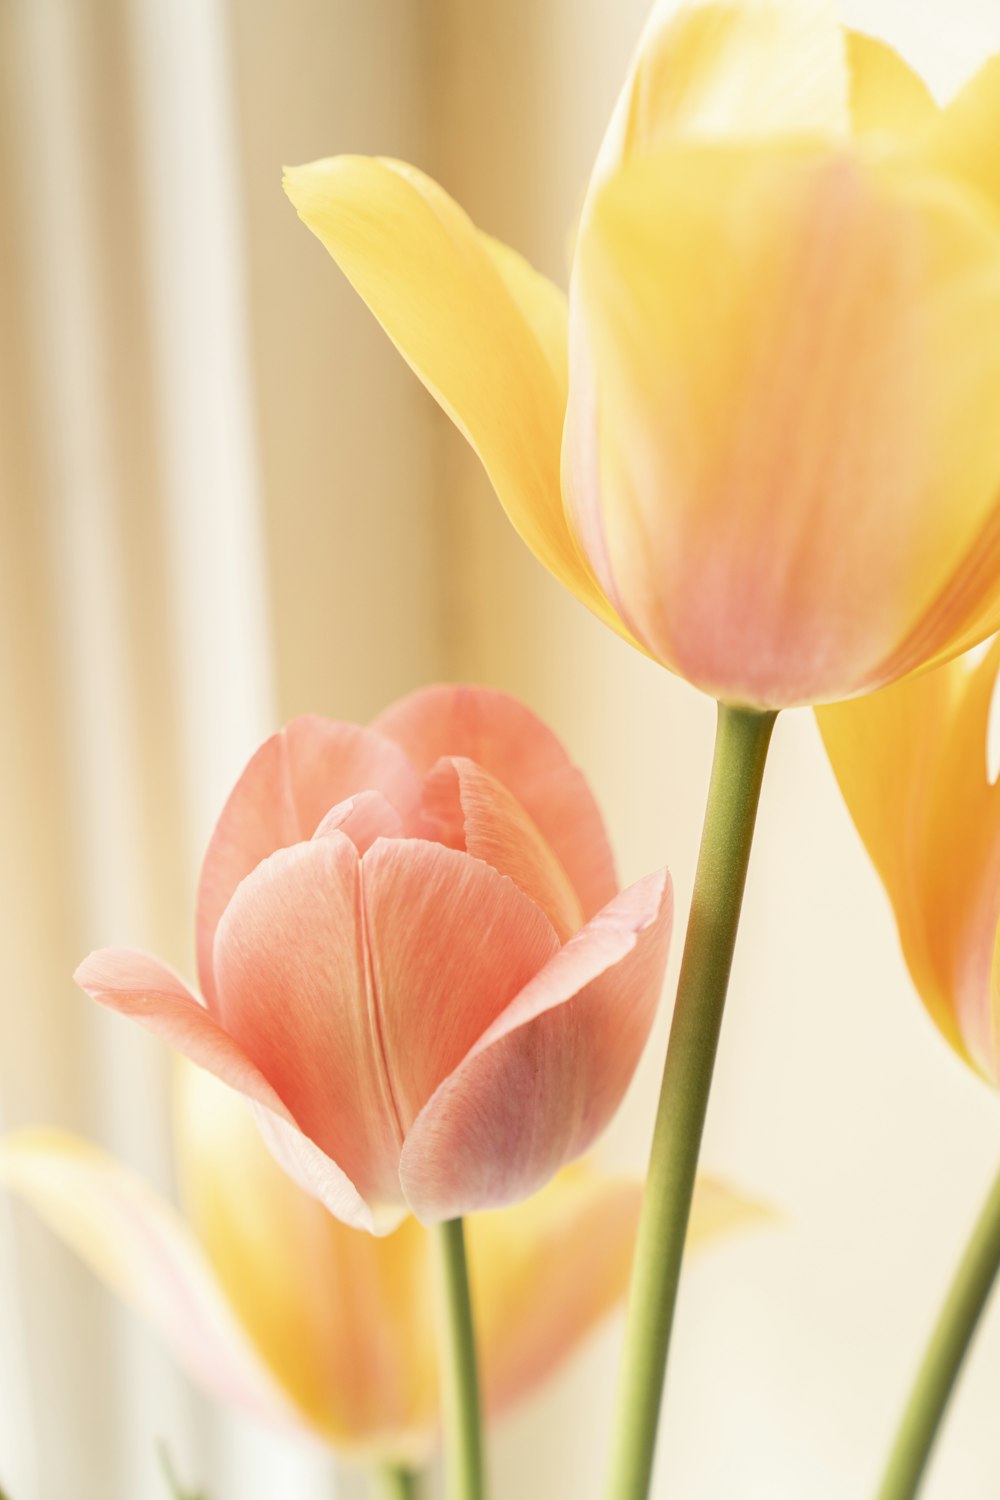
(286, 789)
(451, 944)
(510, 742)
(477, 813)
(541, 1084)
(137, 1243)
(364, 818)
(293, 991)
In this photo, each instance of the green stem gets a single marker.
(463, 1435)
(943, 1358)
(399, 1483)
(741, 744)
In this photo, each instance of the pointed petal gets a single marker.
(544, 1080)
(964, 142)
(510, 742)
(136, 1243)
(289, 784)
(479, 815)
(292, 991)
(364, 818)
(799, 352)
(483, 331)
(545, 1272)
(451, 943)
(887, 97)
(343, 1320)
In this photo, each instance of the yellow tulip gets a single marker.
(912, 764)
(770, 458)
(278, 1309)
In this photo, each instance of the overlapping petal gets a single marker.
(912, 764)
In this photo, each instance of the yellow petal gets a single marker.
(887, 97)
(545, 1272)
(137, 1244)
(911, 763)
(484, 332)
(343, 1320)
(798, 354)
(964, 141)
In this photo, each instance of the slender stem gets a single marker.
(460, 1378)
(943, 1358)
(741, 743)
(399, 1483)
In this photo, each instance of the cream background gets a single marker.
(225, 500)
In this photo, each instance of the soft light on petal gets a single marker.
(546, 1077)
(887, 98)
(964, 142)
(511, 743)
(137, 1244)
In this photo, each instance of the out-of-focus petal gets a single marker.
(293, 991)
(344, 1321)
(911, 763)
(547, 1270)
(964, 142)
(479, 814)
(511, 743)
(546, 1077)
(289, 784)
(451, 943)
(887, 98)
(137, 1244)
(799, 352)
(484, 332)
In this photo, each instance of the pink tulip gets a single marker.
(414, 959)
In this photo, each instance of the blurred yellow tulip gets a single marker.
(277, 1308)
(912, 764)
(761, 441)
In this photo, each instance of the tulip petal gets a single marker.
(799, 352)
(484, 332)
(364, 818)
(136, 1243)
(287, 787)
(511, 743)
(293, 992)
(887, 98)
(545, 1272)
(964, 142)
(476, 813)
(342, 1320)
(545, 1079)
(451, 943)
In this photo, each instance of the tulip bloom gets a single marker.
(760, 439)
(413, 958)
(912, 764)
(301, 1323)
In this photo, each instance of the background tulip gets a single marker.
(277, 1309)
(413, 958)
(764, 459)
(912, 765)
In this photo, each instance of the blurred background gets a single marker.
(224, 501)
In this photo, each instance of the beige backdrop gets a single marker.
(225, 500)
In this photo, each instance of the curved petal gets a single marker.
(799, 351)
(289, 784)
(365, 817)
(343, 1320)
(887, 98)
(545, 1079)
(293, 991)
(545, 1272)
(484, 332)
(476, 813)
(510, 742)
(135, 1242)
(964, 141)
(451, 943)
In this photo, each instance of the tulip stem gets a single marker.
(463, 1434)
(399, 1483)
(741, 744)
(944, 1355)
